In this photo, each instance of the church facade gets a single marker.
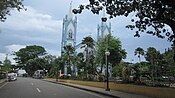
(69, 34)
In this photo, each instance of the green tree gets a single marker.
(153, 57)
(57, 65)
(88, 44)
(152, 15)
(35, 64)
(6, 65)
(68, 57)
(115, 49)
(7, 5)
(49, 59)
(29, 52)
(80, 61)
(168, 68)
(139, 51)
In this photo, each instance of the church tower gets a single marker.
(103, 29)
(69, 30)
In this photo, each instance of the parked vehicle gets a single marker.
(39, 74)
(11, 76)
(22, 73)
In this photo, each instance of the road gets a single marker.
(35, 88)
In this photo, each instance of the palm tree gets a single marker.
(88, 43)
(68, 56)
(139, 51)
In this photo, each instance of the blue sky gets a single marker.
(41, 25)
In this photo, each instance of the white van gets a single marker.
(22, 73)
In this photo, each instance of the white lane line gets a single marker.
(3, 85)
(38, 90)
(32, 83)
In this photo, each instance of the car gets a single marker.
(11, 76)
(39, 74)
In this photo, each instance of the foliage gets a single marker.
(168, 62)
(7, 5)
(49, 61)
(56, 66)
(35, 64)
(115, 49)
(68, 57)
(80, 61)
(152, 55)
(29, 52)
(89, 45)
(152, 15)
(6, 65)
(88, 42)
(139, 51)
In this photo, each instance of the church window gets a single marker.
(70, 34)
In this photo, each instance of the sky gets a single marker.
(41, 25)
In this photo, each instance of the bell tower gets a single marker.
(103, 29)
(69, 30)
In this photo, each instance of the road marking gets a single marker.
(38, 90)
(3, 85)
(32, 83)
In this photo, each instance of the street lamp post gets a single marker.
(107, 73)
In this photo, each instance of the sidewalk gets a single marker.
(2, 81)
(111, 93)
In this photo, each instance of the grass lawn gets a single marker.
(155, 92)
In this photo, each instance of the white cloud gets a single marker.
(32, 20)
(2, 57)
(13, 48)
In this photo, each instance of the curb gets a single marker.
(94, 91)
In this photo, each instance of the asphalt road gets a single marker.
(35, 88)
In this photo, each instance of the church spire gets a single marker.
(70, 14)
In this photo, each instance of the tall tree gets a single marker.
(153, 57)
(80, 61)
(68, 57)
(29, 52)
(7, 5)
(35, 64)
(6, 65)
(115, 49)
(89, 45)
(168, 68)
(139, 51)
(152, 15)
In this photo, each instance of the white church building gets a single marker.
(69, 34)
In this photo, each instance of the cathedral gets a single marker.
(69, 34)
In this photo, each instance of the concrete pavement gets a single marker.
(2, 81)
(35, 88)
(111, 93)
